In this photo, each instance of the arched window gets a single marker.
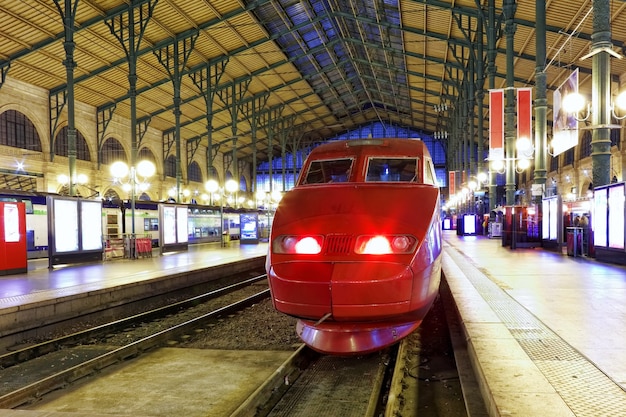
(170, 166)
(569, 157)
(146, 154)
(112, 151)
(585, 144)
(61, 145)
(18, 131)
(554, 163)
(194, 173)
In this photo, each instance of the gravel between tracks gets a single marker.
(259, 327)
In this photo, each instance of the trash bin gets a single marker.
(225, 239)
(574, 241)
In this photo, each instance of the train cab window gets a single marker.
(331, 170)
(392, 170)
(430, 172)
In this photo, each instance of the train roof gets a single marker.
(387, 146)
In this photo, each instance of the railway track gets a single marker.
(58, 362)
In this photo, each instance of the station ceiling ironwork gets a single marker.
(319, 67)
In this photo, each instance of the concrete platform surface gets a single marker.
(545, 331)
(169, 382)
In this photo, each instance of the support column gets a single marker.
(68, 14)
(509, 110)
(601, 93)
(129, 30)
(174, 57)
(541, 100)
(491, 72)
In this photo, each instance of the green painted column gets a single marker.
(541, 101)
(601, 93)
(509, 110)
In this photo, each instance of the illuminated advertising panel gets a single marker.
(182, 231)
(616, 217)
(600, 215)
(554, 218)
(469, 224)
(249, 227)
(66, 225)
(11, 223)
(91, 222)
(169, 225)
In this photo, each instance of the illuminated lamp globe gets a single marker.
(63, 179)
(482, 177)
(119, 169)
(620, 100)
(277, 196)
(146, 169)
(231, 186)
(523, 144)
(573, 103)
(211, 186)
(523, 163)
(497, 164)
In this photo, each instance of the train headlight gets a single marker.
(304, 245)
(385, 244)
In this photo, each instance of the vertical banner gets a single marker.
(565, 126)
(496, 124)
(451, 183)
(524, 119)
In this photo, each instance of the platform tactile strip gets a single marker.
(585, 389)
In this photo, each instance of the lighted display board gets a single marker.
(616, 216)
(174, 230)
(169, 224)
(91, 224)
(11, 223)
(75, 228)
(249, 224)
(469, 224)
(182, 232)
(600, 215)
(65, 225)
(551, 218)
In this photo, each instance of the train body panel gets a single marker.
(374, 265)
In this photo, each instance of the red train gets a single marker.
(355, 247)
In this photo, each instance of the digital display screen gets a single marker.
(469, 224)
(600, 211)
(11, 223)
(66, 225)
(169, 224)
(91, 224)
(248, 226)
(181, 223)
(616, 216)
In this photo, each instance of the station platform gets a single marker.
(42, 295)
(545, 332)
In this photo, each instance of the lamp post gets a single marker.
(144, 170)
(214, 189)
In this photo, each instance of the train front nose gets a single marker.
(345, 290)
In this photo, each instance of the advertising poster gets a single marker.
(11, 223)
(66, 225)
(169, 225)
(182, 233)
(91, 219)
(565, 126)
(599, 217)
(616, 217)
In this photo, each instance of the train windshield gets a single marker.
(392, 169)
(330, 170)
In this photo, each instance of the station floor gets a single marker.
(545, 332)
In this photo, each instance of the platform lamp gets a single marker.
(215, 191)
(133, 180)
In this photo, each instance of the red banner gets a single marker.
(451, 183)
(524, 114)
(496, 124)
